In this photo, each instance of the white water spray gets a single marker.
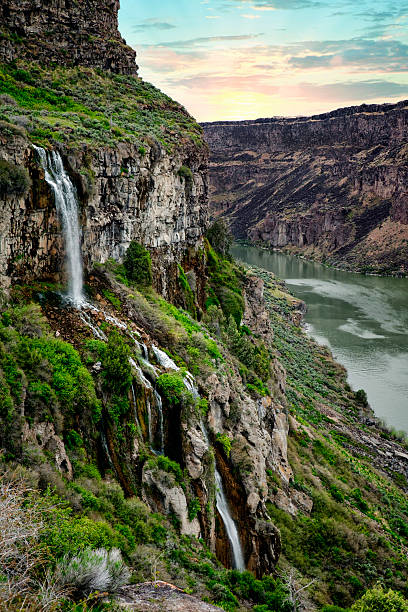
(224, 511)
(66, 203)
(229, 523)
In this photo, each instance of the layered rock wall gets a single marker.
(65, 32)
(333, 186)
(124, 196)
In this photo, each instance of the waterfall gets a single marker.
(66, 203)
(229, 523)
(164, 360)
(224, 511)
(159, 405)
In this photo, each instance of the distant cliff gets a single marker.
(332, 186)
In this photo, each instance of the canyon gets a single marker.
(162, 401)
(332, 187)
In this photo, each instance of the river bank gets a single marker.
(362, 319)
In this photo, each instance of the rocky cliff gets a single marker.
(65, 32)
(131, 197)
(332, 186)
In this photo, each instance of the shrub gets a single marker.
(194, 508)
(138, 264)
(93, 570)
(185, 173)
(116, 367)
(20, 527)
(361, 397)
(225, 442)
(172, 467)
(379, 600)
(171, 386)
(14, 180)
(220, 237)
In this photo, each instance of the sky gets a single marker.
(245, 59)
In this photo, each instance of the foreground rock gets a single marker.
(160, 597)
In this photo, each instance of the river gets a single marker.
(363, 319)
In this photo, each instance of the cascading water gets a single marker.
(159, 405)
(66, 203)
(229, 523)
(224, 511)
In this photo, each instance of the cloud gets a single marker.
(153, 24)
(179, 44)
(348, 91)
(361, 54)
(273, 5)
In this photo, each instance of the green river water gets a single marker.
(363, 319)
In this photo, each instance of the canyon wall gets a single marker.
(332, 186)
(67, 32)
(124, 196)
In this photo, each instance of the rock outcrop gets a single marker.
(159, 596)
(65, 32)
(332, 186)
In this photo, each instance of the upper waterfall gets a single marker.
(66, 203)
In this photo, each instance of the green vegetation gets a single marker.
(138, 264)
(225, 443)
(220, 237)
(186, 174)
(379, 600)
(171, 386)
(115, 362)
(354, 535)
(84, 106)
(188, 294)
(47, 372)
(225, 286)
(14, 180)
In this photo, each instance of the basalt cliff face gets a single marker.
(132, 197)
(333, 187)
(67, 32)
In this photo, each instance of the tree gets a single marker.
(220, 237)
(379, 600)
(138, 264)
(361, 397)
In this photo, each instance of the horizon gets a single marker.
(237, 60)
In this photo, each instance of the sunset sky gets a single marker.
(241, 59)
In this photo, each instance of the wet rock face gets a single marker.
(124, 196)
(333, 186)
(67, 32)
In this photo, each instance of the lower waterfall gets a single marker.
(229, 523)
(224, 511)
(66, 203)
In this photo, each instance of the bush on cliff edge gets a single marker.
(14, 180)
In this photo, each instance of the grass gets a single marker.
(84, 106)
